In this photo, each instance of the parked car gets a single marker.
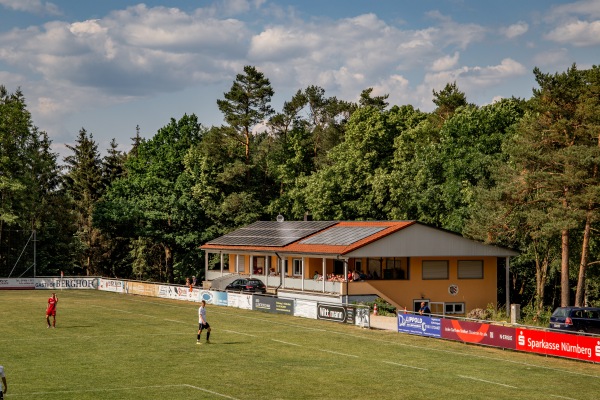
(252, 285)
(579, 319)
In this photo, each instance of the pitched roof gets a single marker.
(317, 237)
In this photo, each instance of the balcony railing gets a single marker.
(290, 282)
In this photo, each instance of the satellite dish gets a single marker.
(280, 218)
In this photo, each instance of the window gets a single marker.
(470, 269)
(396, 268)
(374, 266)
(454, 308)
(297, 265)
(338, 267)
(240, 263)
(358, 265)
(435, 269)
(259, 264)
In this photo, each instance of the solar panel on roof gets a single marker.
(271, 233)
(343, 235)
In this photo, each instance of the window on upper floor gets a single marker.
(435, 269)
(470, 269)
(297, 266)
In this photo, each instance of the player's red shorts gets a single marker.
(51, 313)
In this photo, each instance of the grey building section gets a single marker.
(420, 240)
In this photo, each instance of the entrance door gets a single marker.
(417, 304)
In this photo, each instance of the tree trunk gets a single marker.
(541, 273)
(564, 269)
(168, 264)
(579, 294)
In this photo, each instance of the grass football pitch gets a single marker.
(115, 346)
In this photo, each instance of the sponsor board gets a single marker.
(479, 333)
(143, 289)
(111, 285)
(178, 293)
(17, 283)
(336, 313)
(419, 325)
(66, 283)
(218, 298)
(363, 317)
(585, 348)
(305, 308)
(239, 300)
(273, 305)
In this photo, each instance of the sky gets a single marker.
(111, 65)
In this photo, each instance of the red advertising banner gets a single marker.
(478, 333)
(559, 344)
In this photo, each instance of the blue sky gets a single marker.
(110, 65)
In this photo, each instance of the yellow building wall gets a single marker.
(474, 293)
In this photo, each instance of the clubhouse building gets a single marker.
(403, 262)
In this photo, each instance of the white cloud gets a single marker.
(515, 30)
(469, 79)
(590, 8)
(577, 33)
(31, 6)
(446, 62)
(398, 88)
(552, 58)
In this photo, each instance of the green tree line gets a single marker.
(521, 173)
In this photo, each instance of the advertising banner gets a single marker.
(111, 285)
(336, 313)
(273, 305)
(66, 283)
(217, 298)
(305, 308)
(178, 293)
(419, 325)
(210, 297)
(559, 344)
(363, 317)
(143, 289)
(17, 283)
(479, 333)
(239, 300)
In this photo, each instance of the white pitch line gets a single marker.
(238, 333)
(211, 392)
(483, 380)
(404, 365)
(338, 353)
(561, 397)
(121, 389)
(288, 343)
(174, 320)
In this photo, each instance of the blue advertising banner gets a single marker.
(216, 298)
(419, 325)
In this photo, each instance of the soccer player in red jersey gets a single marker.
(51, 310)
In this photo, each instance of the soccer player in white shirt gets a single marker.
(202, 323)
